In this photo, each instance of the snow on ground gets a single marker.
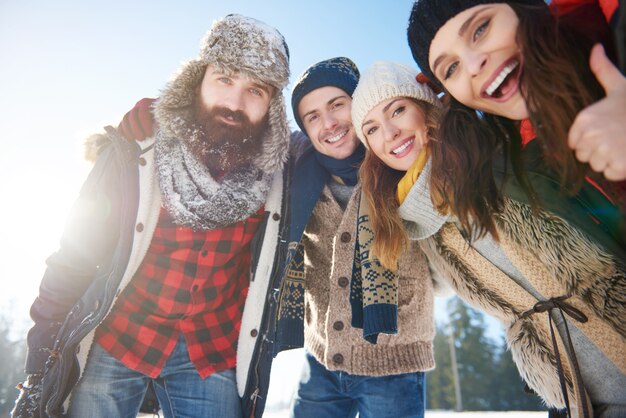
(445, 414)
(284, 413)
(480, 414)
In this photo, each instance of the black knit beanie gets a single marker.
(428, 16)
(337, 72)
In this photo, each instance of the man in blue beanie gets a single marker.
(347, 374)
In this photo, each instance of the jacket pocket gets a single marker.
(407, 288)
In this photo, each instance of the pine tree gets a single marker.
(489, 378)
(439, 383)
(509, 386)
(12, 355)
(476, 355)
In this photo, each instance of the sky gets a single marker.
(69, 68)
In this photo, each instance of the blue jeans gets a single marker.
(110, 389)
(338, 394)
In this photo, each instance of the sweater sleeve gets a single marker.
(138, 123)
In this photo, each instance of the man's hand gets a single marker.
(28, 403)
(598, 134)
(138, 123)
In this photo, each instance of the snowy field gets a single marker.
(507, 414)
(431, 414)
(445, 414)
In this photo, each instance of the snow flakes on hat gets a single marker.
(235, 43)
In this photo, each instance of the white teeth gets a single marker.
(500, 78)
(402, 147)
(336, 138)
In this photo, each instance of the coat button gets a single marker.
(338, 359)
(345, 237)
(338, 326)
(142, 161)
(276, 216)
(139, 227)
(254, 333)
(324, 199)
(342, 281)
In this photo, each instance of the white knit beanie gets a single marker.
(384, 80)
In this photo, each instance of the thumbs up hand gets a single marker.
(598, 134)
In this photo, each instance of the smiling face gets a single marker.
(476, 57)
(325, 114)
(396, 131)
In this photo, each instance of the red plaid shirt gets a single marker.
(194, 282)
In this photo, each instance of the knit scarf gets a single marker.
(422, 219)
(311, 173)
(195, 199)
(373, 288)
(406, 183)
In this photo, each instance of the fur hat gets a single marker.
(241, 44)
(428, 16)
(384, 80)
(337, 72)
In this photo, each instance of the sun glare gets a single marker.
(34, 213)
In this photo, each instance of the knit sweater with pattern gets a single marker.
(329, 244)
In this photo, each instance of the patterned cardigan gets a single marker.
(318, 300)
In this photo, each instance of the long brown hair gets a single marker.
(556, 83)
(379, 183)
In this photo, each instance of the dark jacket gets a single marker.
(258, 379)
(96, 259)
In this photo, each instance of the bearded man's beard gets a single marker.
(222, 147)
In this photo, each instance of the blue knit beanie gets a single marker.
(337, 72)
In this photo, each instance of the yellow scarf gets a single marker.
(409, 179)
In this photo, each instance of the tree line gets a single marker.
(12, 358)
(485, 373)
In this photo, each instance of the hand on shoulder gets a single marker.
(138, 123)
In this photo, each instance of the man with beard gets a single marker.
(149, 284)
(224, 138)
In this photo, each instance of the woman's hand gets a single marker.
(598, 134)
